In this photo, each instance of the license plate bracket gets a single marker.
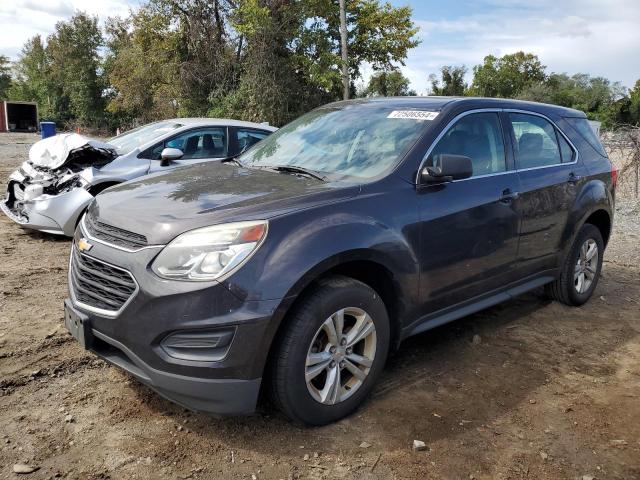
(78, 325)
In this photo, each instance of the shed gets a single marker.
(18, 116)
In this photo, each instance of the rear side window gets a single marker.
(584, 129)
(536, 143)
(248, 138)
(477, 136)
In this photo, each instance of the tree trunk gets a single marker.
(345, 57)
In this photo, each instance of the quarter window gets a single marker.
(584, 128)
(565, 149)
(477, 136)
(536, 142)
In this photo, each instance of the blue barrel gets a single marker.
(47, 129)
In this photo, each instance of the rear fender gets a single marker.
(593, 196)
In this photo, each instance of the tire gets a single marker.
(567, 288)
(306, 339)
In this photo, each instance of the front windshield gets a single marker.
(361, 140)
(133, 139)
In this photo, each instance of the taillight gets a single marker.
(614, 175)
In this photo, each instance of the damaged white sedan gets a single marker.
(51, 190)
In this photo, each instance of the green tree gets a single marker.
(379, 34)
(506, 76)
(206, 49)
(5, 76)
(291, 58)
(272, 86)
(450, 83)
(599, 98)
(634, 104)
(31, 77)
(266, 60)
(74, 69)
(388, 83)
(142, 67)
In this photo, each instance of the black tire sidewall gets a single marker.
(587, 232)
(326, 301)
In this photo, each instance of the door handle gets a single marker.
(508, 196)
(573, 178)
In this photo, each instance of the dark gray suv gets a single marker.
(299, 265)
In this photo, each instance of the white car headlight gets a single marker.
(211, 252)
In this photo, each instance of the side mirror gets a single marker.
(447, 167)
(170, 154)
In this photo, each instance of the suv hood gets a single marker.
(164, 205)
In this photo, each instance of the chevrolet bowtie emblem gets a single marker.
(83, 245)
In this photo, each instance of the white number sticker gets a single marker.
(413, 114)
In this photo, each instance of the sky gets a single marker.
(601, 38)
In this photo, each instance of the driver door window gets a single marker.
(196, 144)
(477, 136)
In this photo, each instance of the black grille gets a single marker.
(114, 235)
(99, 285)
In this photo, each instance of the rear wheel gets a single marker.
(581, 270)
(332, 352)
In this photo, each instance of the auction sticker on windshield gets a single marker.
(413, 114)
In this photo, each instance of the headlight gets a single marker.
(211, 252)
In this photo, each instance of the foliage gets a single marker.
(522, 75)
(5, 76)
(260, 60)
(290, 59)
(634, 105)
(64, 76)
(506, 76)
(388, 83)
(596, 96)
(74, 70)
(31, 77)
(270, 87)
(451, 82)
(141, 67)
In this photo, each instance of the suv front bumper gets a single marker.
(211, 395)
(134, 338)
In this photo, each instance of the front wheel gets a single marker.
(331, 353)
(581, 270)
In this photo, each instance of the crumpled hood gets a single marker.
(56, 151)
(164, 205)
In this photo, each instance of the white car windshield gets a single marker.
(137, 137)
(362, 140)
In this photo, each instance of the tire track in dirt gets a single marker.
(10, 385)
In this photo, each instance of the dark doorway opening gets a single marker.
(21, 117)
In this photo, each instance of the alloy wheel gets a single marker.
(586, 266)
(340, 355)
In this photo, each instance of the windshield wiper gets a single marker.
(233, 159)
(296, 169)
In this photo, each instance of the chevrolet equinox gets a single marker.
(299, 265)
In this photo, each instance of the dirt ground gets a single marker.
(550, 392)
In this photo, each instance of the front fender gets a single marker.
(315, 245)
